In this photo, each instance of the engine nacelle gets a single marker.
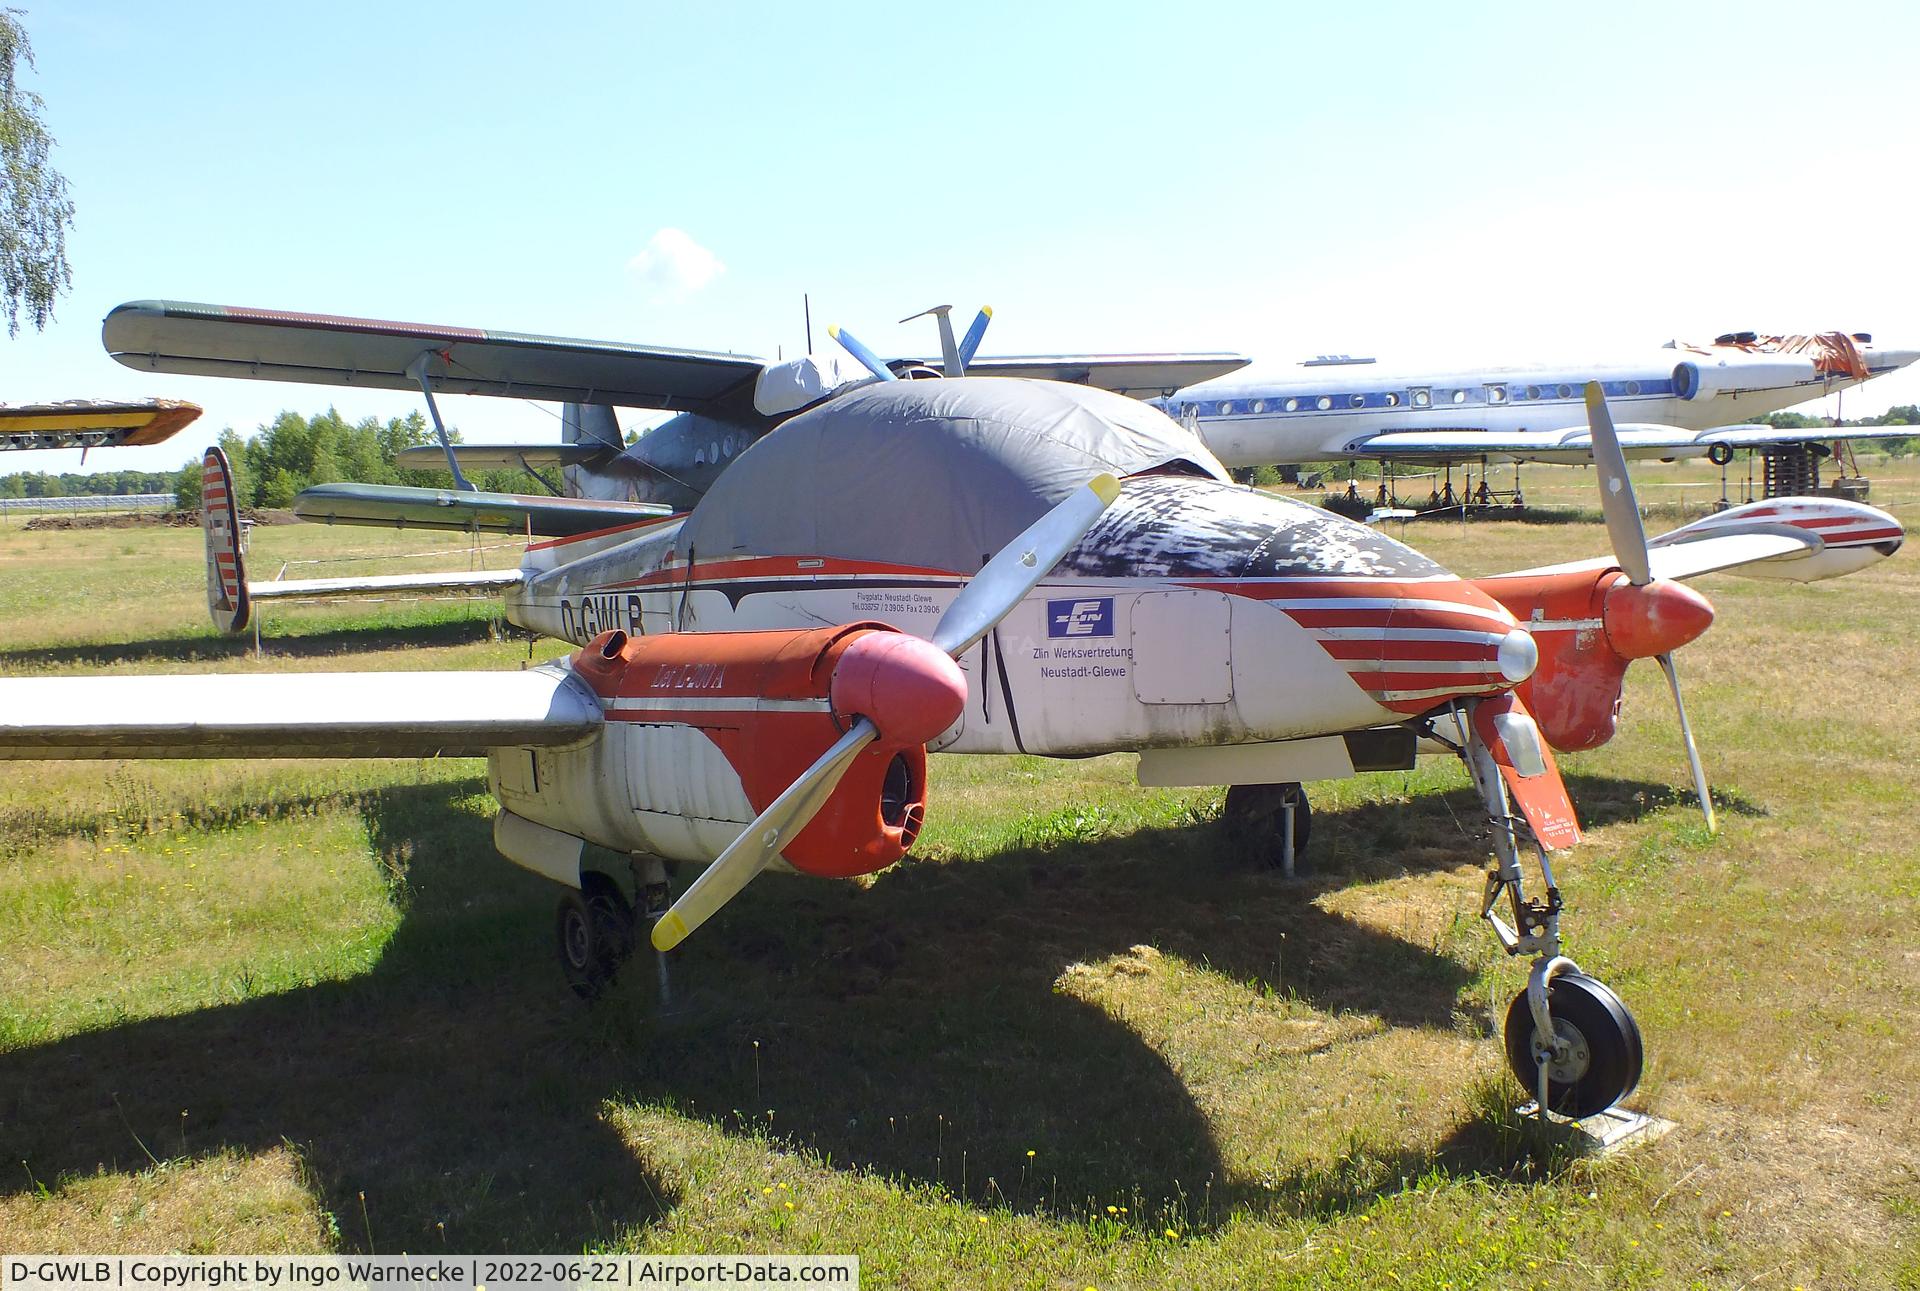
(1852, 536)
(704, 730)
(1705, 378)
(1588, 625)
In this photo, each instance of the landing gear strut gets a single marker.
(1279, 810)
(1569, 1039)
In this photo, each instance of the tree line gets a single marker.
(273, 466)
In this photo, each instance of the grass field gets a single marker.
(1080, 1040)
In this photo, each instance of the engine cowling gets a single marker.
(1589, 625)
(704, 730)
(1705, 378)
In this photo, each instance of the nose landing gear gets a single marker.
(1278, 812)
(1569, 1039)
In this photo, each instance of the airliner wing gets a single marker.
(93, 423)
(326, 349)
(1575, 444)
(304, 714)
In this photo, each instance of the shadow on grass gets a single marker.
(913, 1029)
(212, 648)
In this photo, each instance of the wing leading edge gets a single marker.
(327, 349)
(313, 714)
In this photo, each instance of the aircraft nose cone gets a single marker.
(1641, 622)
(908, 687)
(1518, 656)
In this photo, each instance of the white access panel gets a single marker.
(1182, 650)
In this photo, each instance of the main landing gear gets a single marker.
(1569, 1039)
(1276, 815)
(597, 928)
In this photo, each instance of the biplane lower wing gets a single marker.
(309, 714)
(401, 507)
(502, 457)
(479, 580)
(93, 423)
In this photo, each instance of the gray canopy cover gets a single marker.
(973, 461)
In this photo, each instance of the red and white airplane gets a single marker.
(759, 679)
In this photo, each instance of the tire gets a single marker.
(1607, 1040)
(593, 932)
(1257, 810)
(1719, 454)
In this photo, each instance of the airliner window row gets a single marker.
(1423, 397)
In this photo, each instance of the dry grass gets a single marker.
(1302, 1084)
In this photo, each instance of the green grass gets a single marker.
(302, 1006)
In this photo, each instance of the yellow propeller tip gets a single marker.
(833, 330)
(669, 932)
(1106, 487)
(987, 310)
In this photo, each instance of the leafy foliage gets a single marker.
(68, 484)
(35, 211)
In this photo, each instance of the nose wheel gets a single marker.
(1594, 1057)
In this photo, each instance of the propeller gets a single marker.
(992, 594)
(954, 357)
(1629, 539)
(868, 359)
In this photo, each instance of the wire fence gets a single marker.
(93, 504)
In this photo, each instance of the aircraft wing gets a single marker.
(501, 457)
(1708, 555)
(308, 714)
(479, 580)
(410, 508)
(93, 423)
(1141, 376)
(325, 349)
(1575, 444)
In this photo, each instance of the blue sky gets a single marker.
(1401, 180)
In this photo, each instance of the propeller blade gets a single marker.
(970, 343)
(868, 359)
(1005, 580)
(1686, 734)
(761, 841)
(1624, 529)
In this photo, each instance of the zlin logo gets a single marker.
(1080, 618)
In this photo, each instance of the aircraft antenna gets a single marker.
(806, 307)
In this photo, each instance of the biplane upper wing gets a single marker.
(308, 714)
(326, 349)
(93, 423)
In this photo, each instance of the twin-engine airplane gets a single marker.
(759, 680)
(1680, 401)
